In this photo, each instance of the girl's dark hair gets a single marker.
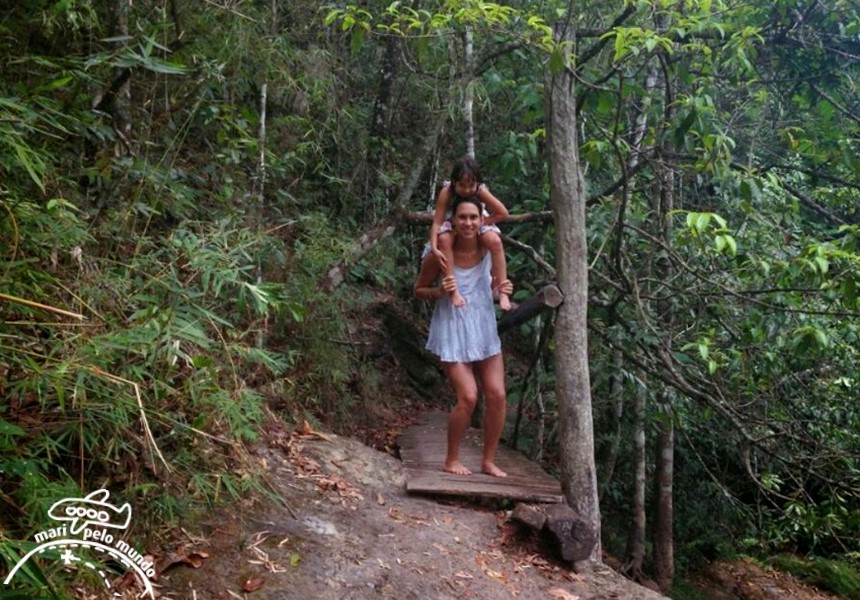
(458, 200)
(466, 166)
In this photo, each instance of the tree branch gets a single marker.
(835, 104)
(812, 204)
(337, 273)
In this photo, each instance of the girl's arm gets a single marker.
(439, 217)
(498, 212)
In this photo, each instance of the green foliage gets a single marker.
(835, 576)
(400, 19)
(37, 582)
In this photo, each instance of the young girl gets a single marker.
(466, 182)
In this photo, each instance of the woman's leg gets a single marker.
(465, 386)
(492, 241)
(492, 374)
(446, 245)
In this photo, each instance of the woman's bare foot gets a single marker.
(456, 467)
(457, 300)
(504, 302)
(491, 469)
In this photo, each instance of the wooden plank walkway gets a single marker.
(422, 450)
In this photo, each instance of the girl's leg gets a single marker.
(465, 386)
(492, 241)
(446, 245)
(492, 374)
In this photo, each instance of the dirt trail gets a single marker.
(348, 530)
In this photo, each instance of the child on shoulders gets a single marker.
(466, 182)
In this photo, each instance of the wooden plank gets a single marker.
(422, 450)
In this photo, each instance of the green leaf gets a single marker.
(10, 429)
(332, 16)
(733, 245)
(725, 242)
(749, 191)
(691, 220)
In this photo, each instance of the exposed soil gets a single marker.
(346, 529)
(744, 580)
(349, 530)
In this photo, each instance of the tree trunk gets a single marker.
(664, 550)
(664, 205)
(616, 408)
(122, 100)
(664, 554)
(573, 390)
(636, 539)
(469, 91)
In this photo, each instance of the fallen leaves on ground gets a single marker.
(261, 557)
(308, 468)
(252, 585)
(183, 554)
(305, 430)
(481, 559)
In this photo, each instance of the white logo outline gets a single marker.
(93, 509)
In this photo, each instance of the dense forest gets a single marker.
(195, 197)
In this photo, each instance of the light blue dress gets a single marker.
(466, 334)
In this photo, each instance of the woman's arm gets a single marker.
(425, 286)
(498, 212)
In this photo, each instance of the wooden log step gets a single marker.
(571, 537)
(422, 450)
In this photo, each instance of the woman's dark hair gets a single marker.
(458, 200)
(466, 166)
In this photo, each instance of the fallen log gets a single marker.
(549, 297)
(426, 217)
(566, 531)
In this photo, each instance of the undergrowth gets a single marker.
(839, 577)
(140, 370)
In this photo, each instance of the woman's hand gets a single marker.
(449, 284)
(505, 287)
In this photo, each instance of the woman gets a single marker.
(465, 339)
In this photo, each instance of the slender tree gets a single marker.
(576, 436)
